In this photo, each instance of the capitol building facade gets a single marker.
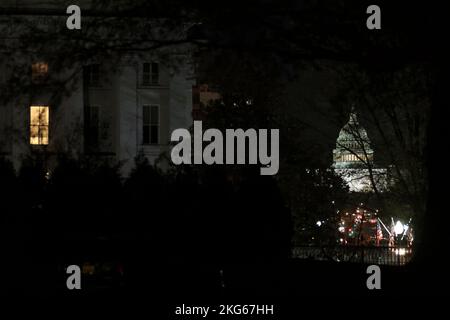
(353, 159)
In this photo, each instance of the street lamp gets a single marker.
(398, 228)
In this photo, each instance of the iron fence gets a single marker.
(359, 254)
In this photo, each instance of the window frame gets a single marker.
(91, 82)
(147, 76)
(88, 126)
(37, 74)
(41, 140)
(149, 125)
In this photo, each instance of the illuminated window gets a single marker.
(150, 74)
(39, 122)
(150, 124)
(39, 72)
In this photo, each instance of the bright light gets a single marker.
(398, 228)
(400, 252)
(341, 229)
(39, 124)
(319, 223)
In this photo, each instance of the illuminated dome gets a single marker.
(353, 148)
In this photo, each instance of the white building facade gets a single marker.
(113, 109)
(120, 115)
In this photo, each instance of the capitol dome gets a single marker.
(353, 147)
